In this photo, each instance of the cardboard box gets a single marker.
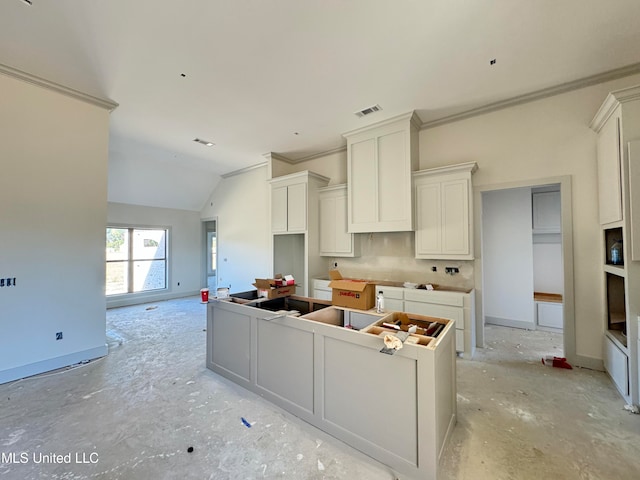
(359, 294)
(266, 289)
(279, 280)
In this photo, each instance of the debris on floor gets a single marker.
(632, 408)
(190, 449)
(153, 307)
(245, 423)
(558, 362)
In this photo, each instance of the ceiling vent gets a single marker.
(204, 142)
(367, 111)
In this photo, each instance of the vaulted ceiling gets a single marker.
(286, 76)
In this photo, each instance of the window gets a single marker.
(136, 260)
(212, 253)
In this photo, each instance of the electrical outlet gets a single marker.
(8, 282)
(178, 283)
(451, 270)
(59, 336)
(434, 269)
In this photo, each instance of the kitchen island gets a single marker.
(398, 409)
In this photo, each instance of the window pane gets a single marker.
(149, 275)
(149, 244)
(117, 244)
(117, 281)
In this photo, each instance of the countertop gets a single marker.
(388, 283)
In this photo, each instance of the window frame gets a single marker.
(131, 261)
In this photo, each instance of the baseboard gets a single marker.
(507, 322)
(589, 362)
(52, 364)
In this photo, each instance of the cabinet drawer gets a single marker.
(393, 305)
(440, 311)
(391, 292)
(322, 294)
(441, 298)
(321, 284)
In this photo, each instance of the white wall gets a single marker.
(507, 252)
(241, 205)
(548, 137)
(54, 154)
(548, 276)
(186, 249)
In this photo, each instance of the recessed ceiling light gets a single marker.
(204, 142)
(183, 75)
(368, 110)
(296, 133)
(492, 61)
(28, 2)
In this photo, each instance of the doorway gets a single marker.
(211, 254)
(525, 243)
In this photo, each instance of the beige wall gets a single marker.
(53, 157)
(549, 137)
(240, 204)
(186, 250)
(536, 140)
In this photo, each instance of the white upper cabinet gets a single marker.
(380, 159)
(609, 163)
(335, 240)
(444, 213)
(546, 211)
(289, 202)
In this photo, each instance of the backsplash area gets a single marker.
(391, 257)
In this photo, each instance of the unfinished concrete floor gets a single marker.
(138, 410)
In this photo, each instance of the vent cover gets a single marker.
(367, 111)
(204, 142)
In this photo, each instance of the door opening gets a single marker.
(210, 254)
(525, 264)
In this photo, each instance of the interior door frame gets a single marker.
(204, 274)
(568, 303)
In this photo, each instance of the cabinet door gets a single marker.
(279, 209)
(362, 185)
(393, 191)
(455, 217)
(297, 207)
(428, 217)
(546, 212)
(328, 225)
(609, 182)
(343, 239)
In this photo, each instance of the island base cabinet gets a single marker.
(337, 380)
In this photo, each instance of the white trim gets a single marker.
(411, 116)
(313, 156)
(36, 368)
(244, 170)
(461, 167)
(70, 92)
(537, 95)
(304, 174)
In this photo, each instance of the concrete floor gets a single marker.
(138, 411)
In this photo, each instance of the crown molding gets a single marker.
(470, 167)
(55, 87)
(244, 170)
(412, 117)
(320, 154)
(537, 95)
(612, 101)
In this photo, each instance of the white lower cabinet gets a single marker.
(457, 306)
(321, 289)
(616, 363)
(549, 314)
